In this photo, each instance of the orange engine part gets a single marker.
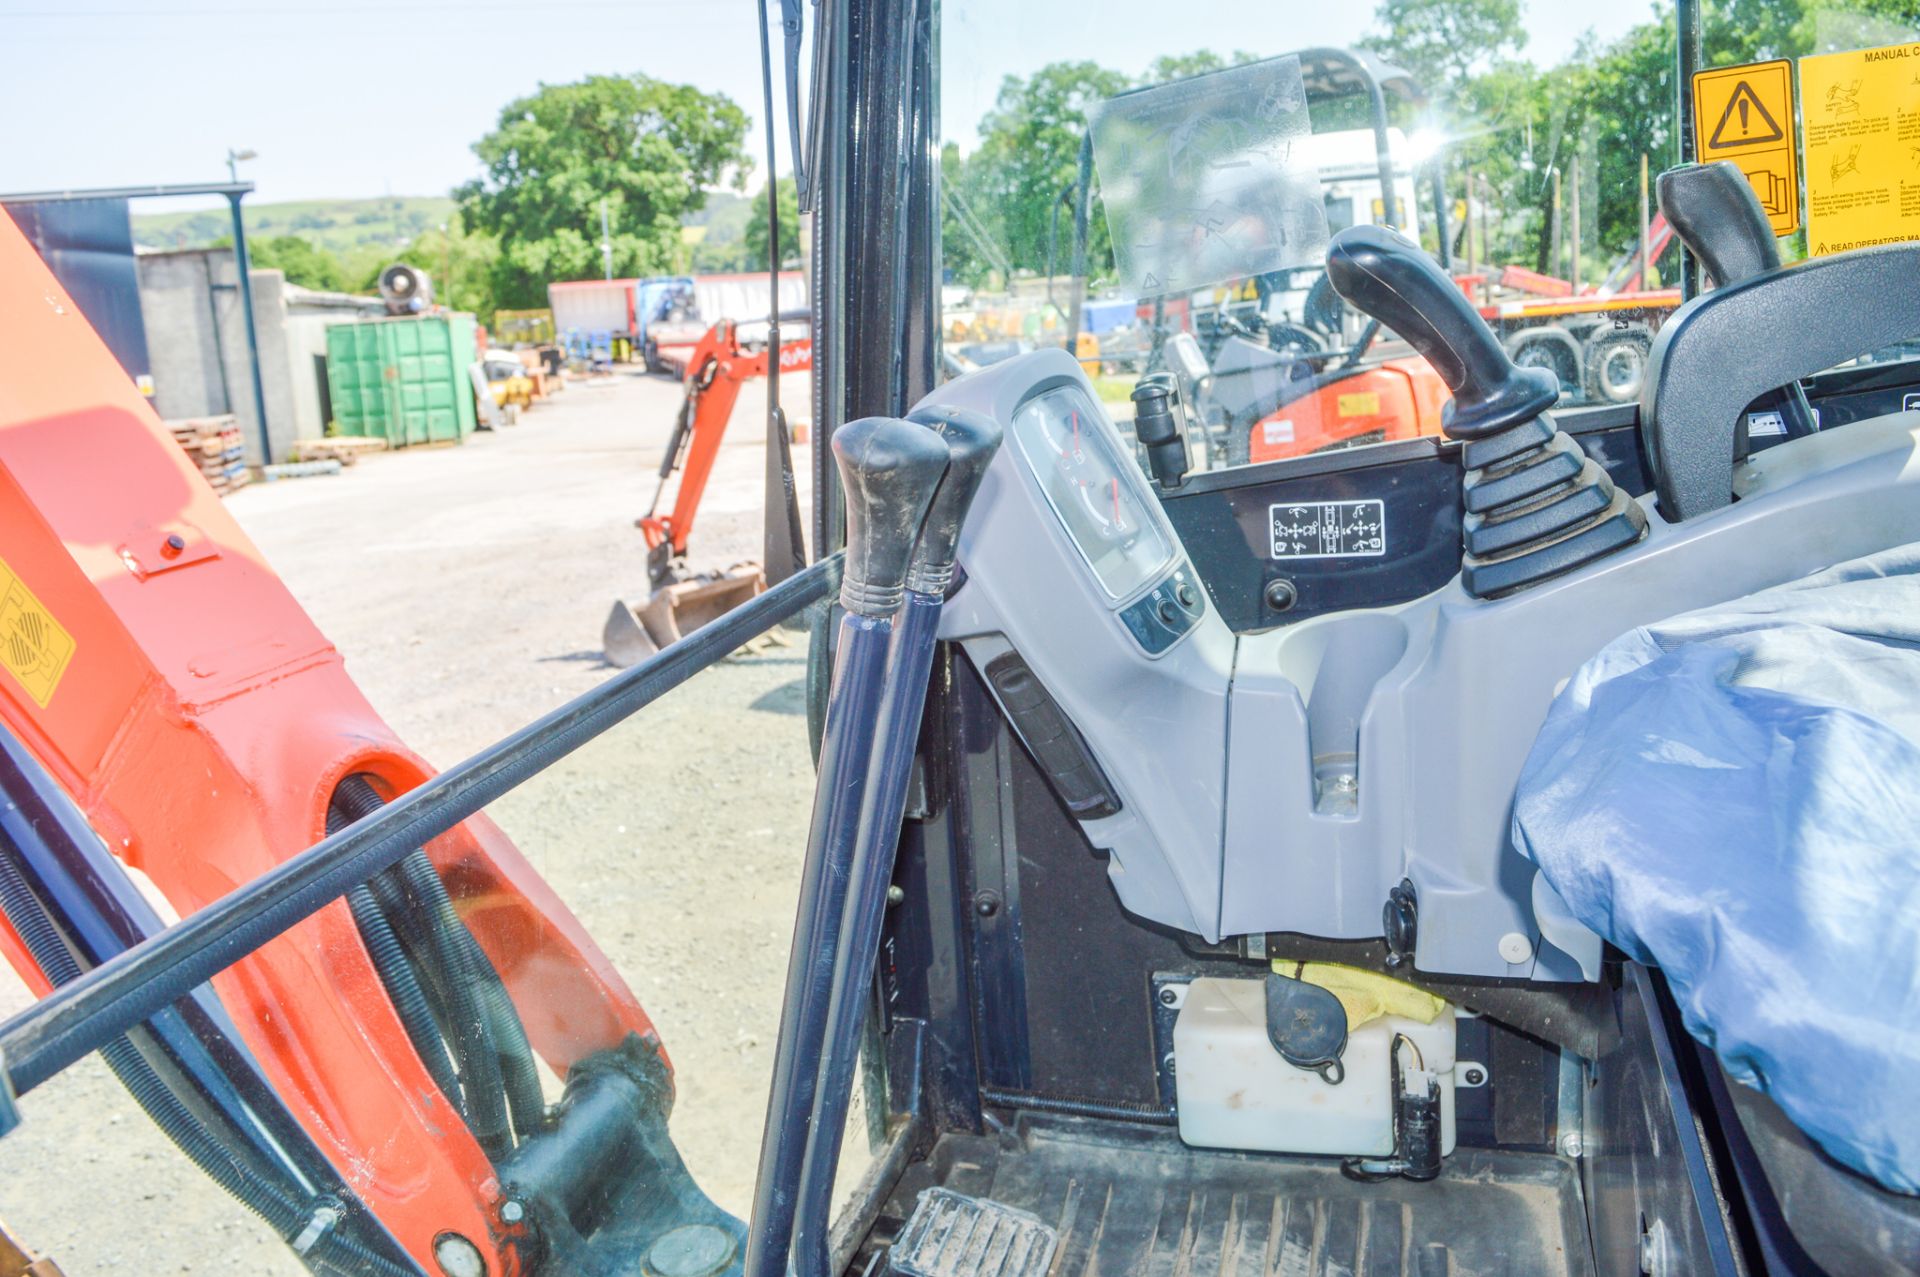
(1397, 399)
(166, 677)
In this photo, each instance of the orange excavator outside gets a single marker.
(681, 601)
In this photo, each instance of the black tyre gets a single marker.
(1617, 366)
(1552, 349)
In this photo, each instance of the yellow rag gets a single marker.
(1366, 995)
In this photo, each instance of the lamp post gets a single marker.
(243, 277)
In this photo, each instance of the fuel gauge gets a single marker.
(1068, 444)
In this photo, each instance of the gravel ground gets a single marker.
(467, 587)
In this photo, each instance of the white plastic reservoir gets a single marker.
(1235, 1091)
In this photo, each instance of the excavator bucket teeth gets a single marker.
(674, 611)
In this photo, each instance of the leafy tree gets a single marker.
(1029, 154)
(462, 266)
(1446, 42)
(648, 148)
(300, 261)
(753, 255)
(1184, 66)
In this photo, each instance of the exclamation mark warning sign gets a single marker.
(1745, 114)
(34, 647)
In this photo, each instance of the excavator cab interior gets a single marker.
(1205, 870)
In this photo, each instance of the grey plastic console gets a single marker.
(1289, 780)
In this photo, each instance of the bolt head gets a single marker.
(512, 1212)
(1168, 996)
(1571, 1144)
(896, 893)
(986, 904)
(1474, 1077)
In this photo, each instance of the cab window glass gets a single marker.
(1517, 142)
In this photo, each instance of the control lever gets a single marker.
(890, 471)
(1536, 505)
(1713, 209)
(1393, 280)
(1157, 426)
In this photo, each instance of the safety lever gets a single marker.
(1714, 211)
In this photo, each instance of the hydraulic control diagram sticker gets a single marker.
(1745, 114)
(1863, 147)
(34, 647)
(1329, 529)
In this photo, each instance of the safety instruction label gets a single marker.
(1863, 147)
(1328, 529)
(1745, 114)
(34, 646)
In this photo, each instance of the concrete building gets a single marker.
(197, 344)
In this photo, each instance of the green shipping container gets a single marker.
(403, 380)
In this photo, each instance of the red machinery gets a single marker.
(168, 681)
(720, 364)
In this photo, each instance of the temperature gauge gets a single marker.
(1068, 444)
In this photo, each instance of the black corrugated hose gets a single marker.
(285, 1207)
(473, 1014)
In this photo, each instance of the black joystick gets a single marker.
(1537, 506)
(1713, 209)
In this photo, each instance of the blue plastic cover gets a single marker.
(1733, 795)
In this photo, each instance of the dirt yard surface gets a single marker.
(467, 588)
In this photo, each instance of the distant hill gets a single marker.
(345, 227)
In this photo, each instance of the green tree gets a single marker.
(1446, 42)
(462, 267)
(300, 261)
(1029, 153)
(648, 148)
(753, 254)
(1169, 67)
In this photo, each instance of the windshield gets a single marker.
(1157, 195)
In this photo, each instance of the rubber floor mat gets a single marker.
(1132, 1201)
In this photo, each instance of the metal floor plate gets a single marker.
(1135, 1202)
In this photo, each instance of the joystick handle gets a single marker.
(1392, 279)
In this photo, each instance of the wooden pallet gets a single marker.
(345, 449)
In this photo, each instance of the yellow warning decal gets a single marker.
(34, 647)
(1863, 147)
(1745, 114)
(1365, 403)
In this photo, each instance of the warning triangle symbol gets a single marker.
(1745, 122)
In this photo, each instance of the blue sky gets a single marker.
(347, 98)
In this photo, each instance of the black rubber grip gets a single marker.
(1055, 743)
(1714, 211)
(1394, 280)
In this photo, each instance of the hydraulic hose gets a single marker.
(520, 1077)
(420, 915)
(284, 1208)
(402, 983)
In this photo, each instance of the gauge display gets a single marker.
(1093, 489)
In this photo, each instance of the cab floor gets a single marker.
(1133, 1201)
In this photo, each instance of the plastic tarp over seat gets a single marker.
(1733, 795)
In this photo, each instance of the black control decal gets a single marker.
(1328, 529)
